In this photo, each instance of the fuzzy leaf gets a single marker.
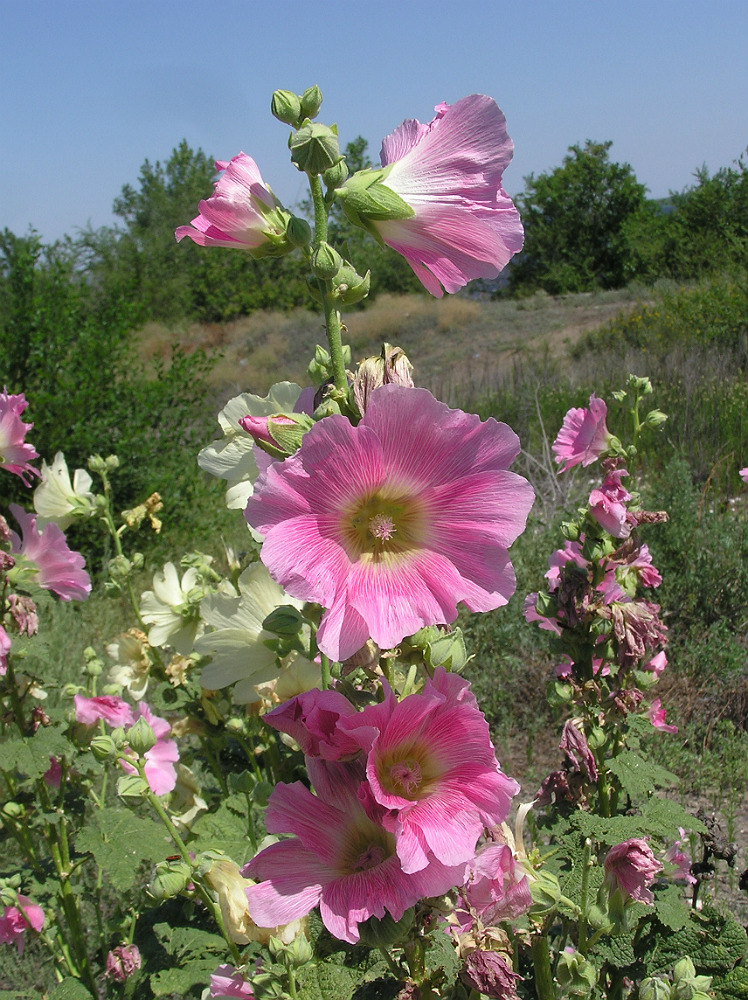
(121, 842)
(326, 981)
(671, 907)
(69, 989)
(638, 776)
(734, 986)
(188, 980)
(30, 756)
(185, 942)
(224, 830)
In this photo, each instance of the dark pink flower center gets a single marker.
(407, 775)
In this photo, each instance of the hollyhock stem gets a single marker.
(332, 316)
(325, 671)
(541, 961)
(584, 892)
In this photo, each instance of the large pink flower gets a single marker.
(15, 453)
(432, 766)
(462, 225)
(55, 566)
(341, 858)
(583, 436)
(242, 212)
(16, 921)
(390, 523)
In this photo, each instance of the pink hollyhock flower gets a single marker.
(390, 523)
(452, 220)
(657, 664)
(160, 772)
(656, 716)
(570, 552)
(488, 973)
(341, 858)
(15, 453)
(682, 862)
(431, 765)
(608, 505)
(583, 437)
(114, 711)
(16, 920)
(227, 982)
(744, 474)
(531, 613)
(122, 961)
(639, 563)
(631, 867)
(4, 650)
(242, 213)
(54, 566)
(496, 887)
(312, 720)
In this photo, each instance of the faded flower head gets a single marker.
(489, 974)
(122, 962)
(631, 867)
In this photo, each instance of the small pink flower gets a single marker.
(227, 982)
(744, 474)
(4, 650)
(496, 887)
(608, 505)
(53, 775)
(15, 454)
(112, 710)
(531, 613)
(656, 715)
(583, 437)
(16, 921)
(464, 225)
(657, 664)
(676, 857)
(632, 867)
(55, 566)
(242, 212)
(341, 858)
(431, 765)
(122, 961)
(640, 563)
(389, 524)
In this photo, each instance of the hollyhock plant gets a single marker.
(242, 213)
(15, 453)
(438, 200)
(631, 867)
(583, 437)
(431, 765)
(341, 858)
(58, 499)
(17, 920)
(44, 558)
(389, 524)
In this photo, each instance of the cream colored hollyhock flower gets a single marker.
(171, 609)
(133, 660)
(226, 881)
(236, 643)
(185, 801)
(297, 676)
(234, 458)
(58, 500)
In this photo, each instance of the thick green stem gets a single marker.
(332, 316)
(541, 960)
(583, 900)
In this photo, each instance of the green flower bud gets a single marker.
(286, 107)
(170, 878)
(287, 430)
(299, 232)
(140, 737)
(337, 175)
(93, 668)
(366, 199)
(311, 102)
(575, 975)
(384, 933)
(655, 418)
(448, 651)
(314, 147)
(96, 463)
(13, 810)
(103, 748)
(596, 738)
(285, 621)
(132, 789)
(641, 385)
(619, 395)
(120, 567)
(349, 287)
(654, 988)
(326, 261)
(70, 690)
(684, 969)
(545, 892)
(138, 560)
(118, 735)
(111, 463)
(299, 952)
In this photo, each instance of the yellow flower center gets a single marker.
(383, 525)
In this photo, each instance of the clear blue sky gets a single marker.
(91, 88)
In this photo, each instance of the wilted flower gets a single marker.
(438, 198)
(583, 437)
(496, 887)
(16, 921)
(171, 609)
(15, 453)
(631, 867)
(23, 612)
(242, 213)
(57, 499)
(390, 366)
(488, 973)
(237, 642)
(122, 961)
(676, 857)
(576, 748)
(390, 523)
(45, 559)
(636, 627)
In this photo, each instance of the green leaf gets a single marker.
(192, 975)
(224, 830)
(121, 842)
(639, 777)
(734, 986)
(184, 942)
(69, 989)
(671, 907)
(325, 981)
(30, 756)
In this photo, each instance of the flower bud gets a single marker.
(132, 789)
(286, 107)
(545, 892)
(170, 878)
(654, 988)
(111, 463)
(619, 395)
(336, 175)
(326, 262)
(299, 232)
(376, 933)
(285, 621)
(448, 651)
(96, 463)
(641, 385)
(349, 287)
(13, 810)
(70, 690)
(655, 418)
(314, 148)
(103, 748)
(120, 567)
(575, 975)
(140, 737)
(138, 560)
(311, 102)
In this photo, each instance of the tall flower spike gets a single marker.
(438, 200)
(390, 523)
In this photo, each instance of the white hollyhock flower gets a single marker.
(171, 609)
(58, 500)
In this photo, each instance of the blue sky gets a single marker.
(92, 89)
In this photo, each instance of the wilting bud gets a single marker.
(311, 102)
(575, 975)
(140, 737)
(299, 232)
(336, 175)
(314, 147)
(122, 961)
(654, 989)
(170, 878)
(285, 621)
(326, 261)
(391, 366)
(103, 748)
(286, 107)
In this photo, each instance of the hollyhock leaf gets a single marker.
(639, 776)
(122, 843)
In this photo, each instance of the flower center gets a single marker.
(370, 857)
(406, 774)
(382, 526)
